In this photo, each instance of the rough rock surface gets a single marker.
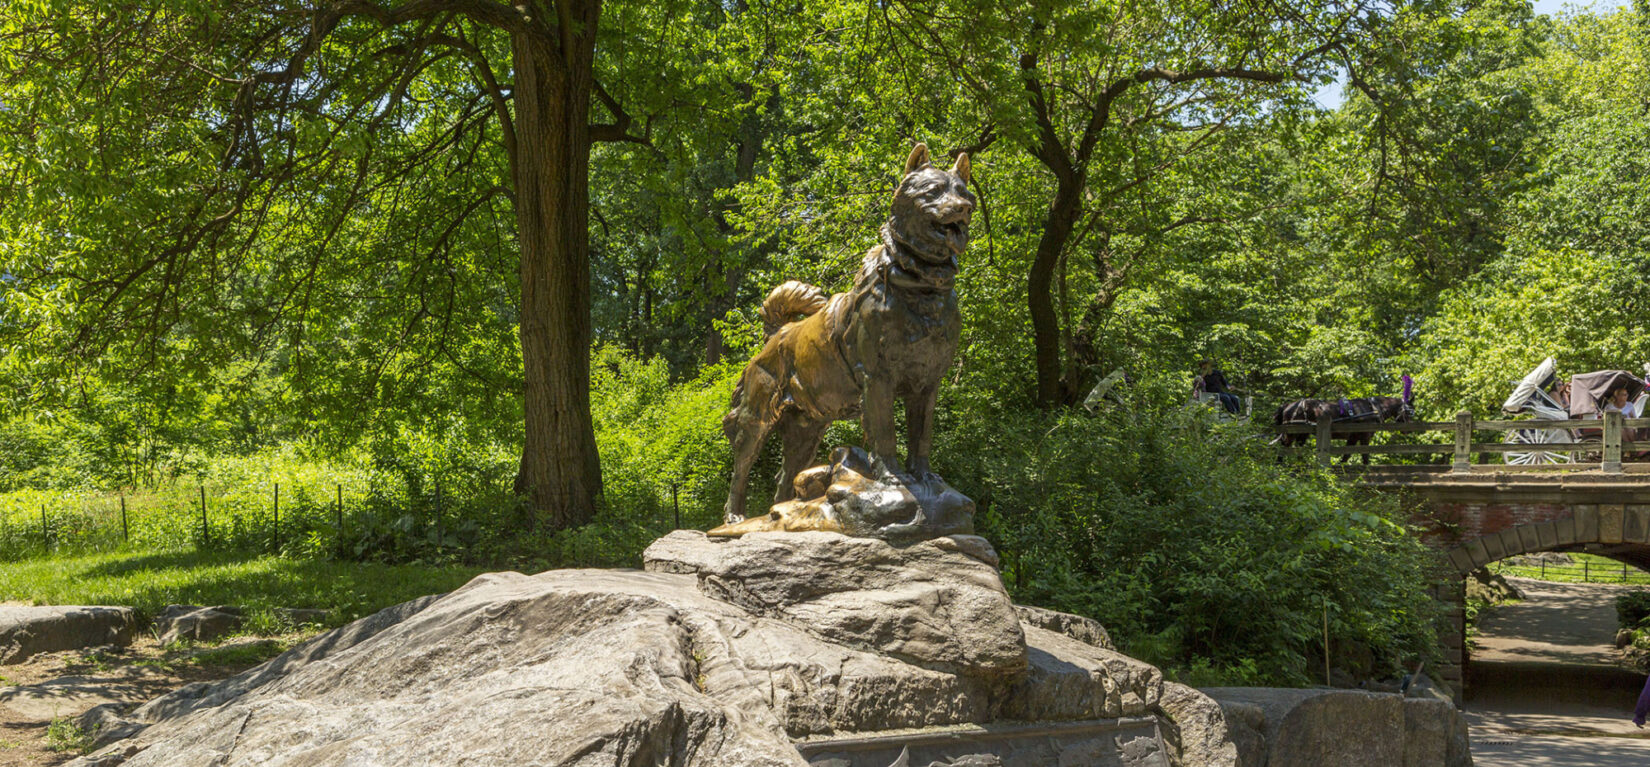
(201, 624)
(1085, 630)
(71, 695)
(938, 603)
(1196, 728)
(1314, 727)
(27, 631)
(592, 666)
(586, 667)
(1434, 734)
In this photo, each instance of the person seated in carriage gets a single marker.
(1211, 380)
(1616, 401)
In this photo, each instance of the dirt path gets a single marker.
(57, 685)
(1569, 623)
(1545, 684)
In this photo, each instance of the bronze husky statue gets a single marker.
(892, 335)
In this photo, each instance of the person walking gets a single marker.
(1643, 708)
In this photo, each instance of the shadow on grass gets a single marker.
(149, 581)
(167, 560)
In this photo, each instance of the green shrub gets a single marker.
(1188, 540)
(1632, 608)
(64, 734)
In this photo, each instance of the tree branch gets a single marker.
(619, 129)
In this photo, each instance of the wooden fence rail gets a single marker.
(1606, 438)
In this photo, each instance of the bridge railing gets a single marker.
(1607, 447)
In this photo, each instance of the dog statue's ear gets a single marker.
(963, 169)
(918, 158)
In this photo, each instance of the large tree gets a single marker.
(184, 176)
(1110, 98)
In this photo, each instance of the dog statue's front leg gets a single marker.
(919, 425)
(877, 421)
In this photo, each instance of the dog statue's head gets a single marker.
(932, 207)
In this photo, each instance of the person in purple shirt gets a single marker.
(1643, 708)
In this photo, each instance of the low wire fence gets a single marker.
(1572, 569)
(335, 520)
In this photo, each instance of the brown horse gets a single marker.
(1361, 410)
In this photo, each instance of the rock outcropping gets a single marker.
(772, 649)
(730, 653)
(27, 631)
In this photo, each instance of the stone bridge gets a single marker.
(1478, 517)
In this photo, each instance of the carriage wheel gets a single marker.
(1538, 437)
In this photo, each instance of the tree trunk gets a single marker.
(1045, 321)
(723, 295)
(560, 472)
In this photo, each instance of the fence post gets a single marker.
(1586, 568)
(125, 529)
(1463, 442)
(1612, 443)
(676, 504)
(206, 532)
(45, 531)
(1325, 426)
(275, 533)
(340, 521)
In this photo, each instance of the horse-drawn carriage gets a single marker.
(1543, 395)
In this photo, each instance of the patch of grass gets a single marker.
(148, 581)
(240, 654)
(92, 660)
(64, 735)
(1588, 568)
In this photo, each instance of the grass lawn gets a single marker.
(148, 581)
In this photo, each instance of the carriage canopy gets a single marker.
(1587, 390)
(1536, 382)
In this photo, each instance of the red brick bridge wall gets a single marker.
(1475, 519)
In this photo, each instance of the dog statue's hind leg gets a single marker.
(801, 436)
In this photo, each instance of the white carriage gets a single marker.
(1542, 395)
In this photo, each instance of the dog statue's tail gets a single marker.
(790, 302)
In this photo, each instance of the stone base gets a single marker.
(1279, 727)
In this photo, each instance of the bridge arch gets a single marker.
(1619, 537)
(1473, 518)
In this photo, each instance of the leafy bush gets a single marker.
(1189, 541)
(1632, 608)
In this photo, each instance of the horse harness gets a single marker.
(1358, 410)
